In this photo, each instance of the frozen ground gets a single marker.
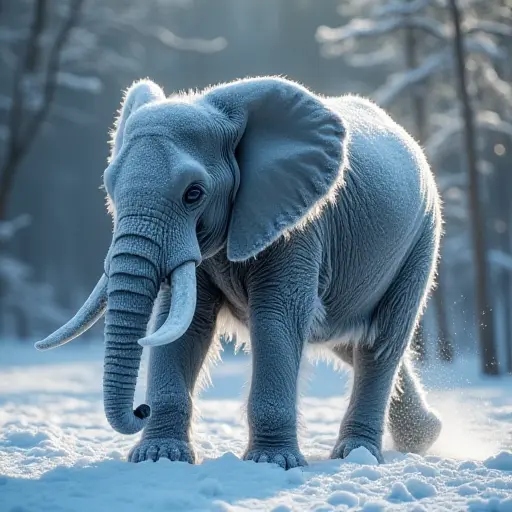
(57, 452)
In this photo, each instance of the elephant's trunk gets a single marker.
(132, 288)
(135, 275)
(136, 268)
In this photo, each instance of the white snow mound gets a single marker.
(57, 452)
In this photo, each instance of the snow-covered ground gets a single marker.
(57, 452)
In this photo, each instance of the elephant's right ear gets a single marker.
(290, 155)
(138, 94)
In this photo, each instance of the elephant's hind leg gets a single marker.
(376, 364)
(414, 427)
(172, 374)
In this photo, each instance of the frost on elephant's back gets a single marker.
(383, 156)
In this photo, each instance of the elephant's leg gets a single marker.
(376, 364)
(345, 352)
(413, 425)
(172, 374)
(272, 408)
(363, 424)
(281, 309)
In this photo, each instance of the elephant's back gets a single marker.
(387, 172)
(388, 195)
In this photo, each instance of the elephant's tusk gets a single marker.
(85, 318)
(182, 309)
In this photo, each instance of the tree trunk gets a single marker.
(489, 360)
(508, 304)
(22, 128)
(504, 186)
(503, 180)
(418, 110)
(507, 243)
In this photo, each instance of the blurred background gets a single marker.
(442, 68)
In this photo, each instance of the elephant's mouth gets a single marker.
(182, 281)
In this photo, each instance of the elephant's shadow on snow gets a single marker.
(117, 485)
(113, 484)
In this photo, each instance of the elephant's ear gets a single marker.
(290, 155)
(138, 94)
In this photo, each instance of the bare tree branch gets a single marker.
(9, 228)
(489, 27)
(168, 38)
(51, 73)
(25, 65)
(483, 44)
(20, 140)
(358, 28)
(402, 8)
(442, 142)
(383, 54)
(492, 80)
(35, 34)
(399, 82)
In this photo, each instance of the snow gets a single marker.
(168, 38)
(382, 55)
(490, 27)
(360, 27)
(492, 80)
(34, 300)
(57, 452)
(397, 83)
(442, 141)
(91, 84)
(8, 228)
(402, 8)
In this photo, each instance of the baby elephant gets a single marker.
(310, 220)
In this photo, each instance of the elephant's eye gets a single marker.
(193, 194)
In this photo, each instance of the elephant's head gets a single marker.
(237, 165)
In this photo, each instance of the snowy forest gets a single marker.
(440, 68)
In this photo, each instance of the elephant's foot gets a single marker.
(158, 448)
(415, 434)
(346, 445)
(287, 458)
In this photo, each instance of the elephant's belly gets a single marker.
(339, 331)
(232, 324)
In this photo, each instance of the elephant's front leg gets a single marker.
(172, 375)
(279, 323)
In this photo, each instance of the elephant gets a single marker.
(311, 221)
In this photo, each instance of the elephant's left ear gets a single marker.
(290, 155)
(138, 94)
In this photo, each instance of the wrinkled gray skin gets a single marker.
(317, 222)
